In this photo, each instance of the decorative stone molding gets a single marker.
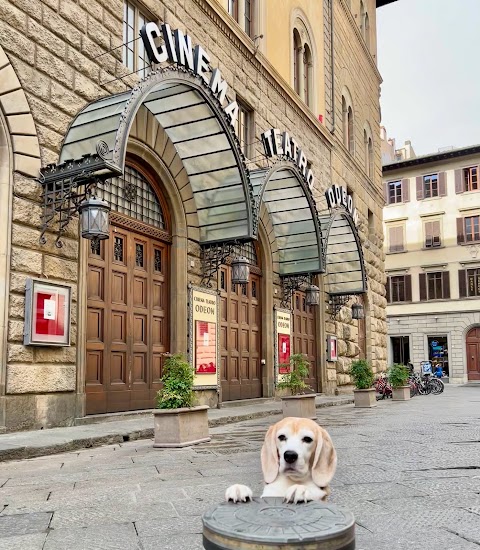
(21, 126)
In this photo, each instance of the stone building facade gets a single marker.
(57, 57)
(432, 244)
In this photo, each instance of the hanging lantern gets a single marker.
(312, 295)
(358, 312)
(94, 218)
(240, 270)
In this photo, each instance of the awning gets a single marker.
(294, 217)
(345, 268)
(203, 137)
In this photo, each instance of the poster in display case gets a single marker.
(47, 314)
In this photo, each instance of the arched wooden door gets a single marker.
(240, 332)
(127, 299)
(473, 354)
(304, 339)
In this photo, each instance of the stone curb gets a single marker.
(19, 452)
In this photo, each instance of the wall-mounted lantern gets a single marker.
(94, 218)
(312, 295)
(240, 270)
(358, 312)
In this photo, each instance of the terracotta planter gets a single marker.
(401, 394)
(181, 427)
(365, 399)
(300, 406)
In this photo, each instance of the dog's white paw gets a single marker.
(300, 493)
(238, 493)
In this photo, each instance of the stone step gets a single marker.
(113, 417)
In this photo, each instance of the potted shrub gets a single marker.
(177, 422)
(398, 378)
(362, 376)
(297, 403)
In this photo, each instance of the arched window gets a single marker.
(365, 145)
(297, 48)
(370, 158)
(344, 121)
(367, 31)
(303, 62)
(350, 138)
(368, 148)
(307, 73)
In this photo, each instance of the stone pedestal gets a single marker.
(300, 406)
(270, 523)
(365, 398)
(181, 427)
(401, 394)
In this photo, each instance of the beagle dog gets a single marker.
(298, 463)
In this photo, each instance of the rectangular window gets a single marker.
(432, 234)
(438, 352)
(473, 282)
(400, 349)
(249, 17)
(233, 9)
(395, 192)
(134, 55)
(399, 289)
(244, 127)
(470, 178)
(435, 286)
(395, 238)
(472, 228)
(430, 186)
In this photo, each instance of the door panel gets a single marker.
(240, 338)
(473, 354)
(127, 332)
(304, 340)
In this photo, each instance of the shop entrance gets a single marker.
(473, 354)
(240, 332)
(127, 297)
(304, 334)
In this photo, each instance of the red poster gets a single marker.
(284, 353)
(205, 347)
(50, 314)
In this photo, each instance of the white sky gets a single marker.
(429, 59)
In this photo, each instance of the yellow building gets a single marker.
(213, 132)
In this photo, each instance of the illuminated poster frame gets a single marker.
(283, 340)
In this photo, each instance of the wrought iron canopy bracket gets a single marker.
(212, 257)
(290, 284)
(67, 185)
(336, 302)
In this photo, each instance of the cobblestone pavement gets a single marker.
(410, 472)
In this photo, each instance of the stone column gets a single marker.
(301, 73)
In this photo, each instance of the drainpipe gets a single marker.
(332, 61)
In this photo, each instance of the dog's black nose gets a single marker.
(290, 456)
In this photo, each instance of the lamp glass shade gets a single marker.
(94, 219)
(312, 295)
(358, 312)
(240, 270)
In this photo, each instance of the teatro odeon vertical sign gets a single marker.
(177, 48)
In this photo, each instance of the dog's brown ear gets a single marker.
(269, 456)
(325, 459)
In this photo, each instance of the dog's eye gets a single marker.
(282, 438)
(307, 439)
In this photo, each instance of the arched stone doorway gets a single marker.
(473, 353)
(127, 296)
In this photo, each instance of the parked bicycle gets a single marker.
(383, 388)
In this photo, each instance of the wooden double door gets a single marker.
(240, 337)
(473, 354)
(304, 335)
(127, 324)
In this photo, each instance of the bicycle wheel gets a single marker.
(424, 388)
(437, 386)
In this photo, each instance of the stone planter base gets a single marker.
(401, 394)
(300, 406)
(180, 427)
(365, 398)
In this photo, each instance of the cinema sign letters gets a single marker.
(337, 196)
(280, 144)
(177, 48)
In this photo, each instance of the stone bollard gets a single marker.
(270, 524)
